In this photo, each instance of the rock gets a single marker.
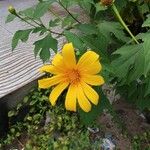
(48, 119)
(107, 144)
(93, 130)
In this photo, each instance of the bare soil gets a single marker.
(133, 124)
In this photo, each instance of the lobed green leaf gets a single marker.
(22, 35)
(41, 8)
(43, 46)
(10, 18)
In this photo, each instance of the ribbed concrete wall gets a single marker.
(19, 67)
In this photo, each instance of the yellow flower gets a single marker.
(76, 76)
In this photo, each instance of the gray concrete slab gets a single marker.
(19, 67)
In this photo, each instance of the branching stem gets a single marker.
(59, 2)
(60, 34)
(25, 21)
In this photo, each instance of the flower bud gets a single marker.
(107, 2)
(12, 10)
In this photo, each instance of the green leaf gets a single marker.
(26, 99)
(147, 90)
(54, 23)
(97, 43)
(108, 28)
(11, 113)
(143, 103)
(10, 18)
(100, 7)
(43, 47)
(146, 53)
(127, 58)
(42, 30)
(29, 118)
(42, 8)
(85, 4)
(146, 22)
(68, 21)
(144, 9)
(22, 35)
(32, 102)
(88, 118)
(87, 28)
(146, 46)
(134, 61)
(68, 3)
(76, 40)
(143, 36)
(28, 12)
(121, 4)
(138, 68)
(19, 106)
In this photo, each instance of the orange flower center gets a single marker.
(73, 76)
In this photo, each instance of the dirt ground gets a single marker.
(133, 124)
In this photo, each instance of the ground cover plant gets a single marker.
(115, 38)
(43, 127)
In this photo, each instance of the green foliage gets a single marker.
(10, 18)
(62, 132)
(107, 28)
(43, 7)
(68, 21)
(147, 22)
(125, 64)
(129, 56)
(133, 11)
(54, 23)
(22, 35)
(29, 12)
(75, 39)
(141, 141)
(43, 47)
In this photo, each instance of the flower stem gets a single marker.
(60, 34)
(59, 2)
(34, 21)
(25, 20)
(57, 16)
(123, 23)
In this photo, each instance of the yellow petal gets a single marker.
(82, 100)
(90, 93)
(93, 79)
(48, 82)
(50, 69)
(57, 91)
(87, 59)
(70, 102)
(57, 60)
(69, 55)
(92, 69)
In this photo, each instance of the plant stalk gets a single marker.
(25, 21)
(123, 23)
(59, 2)
(60, 34)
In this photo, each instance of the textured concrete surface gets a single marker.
(17, 68)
